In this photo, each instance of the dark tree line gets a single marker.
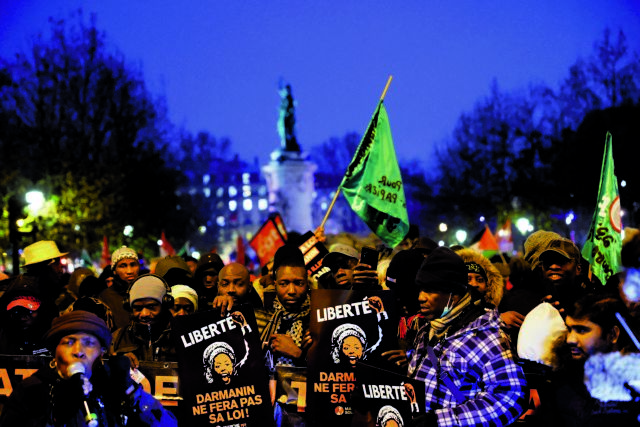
(78, 124)
(539, 151)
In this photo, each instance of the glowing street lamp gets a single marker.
(524, 226)
(461, 236)
(442, 227)
(35, 200)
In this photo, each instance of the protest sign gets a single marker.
(313, 251)
(268, 239)
(222, 373)
(389, 398)
(347, 327)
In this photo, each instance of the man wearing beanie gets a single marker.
(76, 387)
(461, 354)
(126, 267)
(147, 336)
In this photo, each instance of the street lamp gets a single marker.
(461, 236)
(35, 200)
(524, 226)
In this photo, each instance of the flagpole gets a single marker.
(335, 197)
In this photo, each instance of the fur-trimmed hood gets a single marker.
(495, 281)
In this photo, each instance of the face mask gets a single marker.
(447, 308)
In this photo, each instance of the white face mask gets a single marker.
(448, 307)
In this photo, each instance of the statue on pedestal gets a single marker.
(287, 120)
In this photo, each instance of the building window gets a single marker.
(263, 204)
(262, 190)
(246, 191)
(220, 192)
(205, 179)
(233, 205)
(233, 191)
(247, 204)
(207, 192)
(246, 178)
(220, 221)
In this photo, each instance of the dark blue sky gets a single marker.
(218, 62)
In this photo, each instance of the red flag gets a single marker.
(165, 247)
(268, 239)
(240, 250)
(105, 258)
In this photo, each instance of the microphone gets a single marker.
(78, 369)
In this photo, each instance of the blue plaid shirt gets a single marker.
(478, 360)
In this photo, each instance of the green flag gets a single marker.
(604, 243)
(373, 185)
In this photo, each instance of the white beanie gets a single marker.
(184, 291)
(120, 254)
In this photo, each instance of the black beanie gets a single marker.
(444, 271)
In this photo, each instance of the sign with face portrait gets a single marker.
(222, 374)
(390, 399)
(347, 327)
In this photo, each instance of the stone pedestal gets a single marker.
(290, 182)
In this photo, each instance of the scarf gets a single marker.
(285, 322)
(439, 326)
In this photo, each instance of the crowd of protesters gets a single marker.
(483, 335)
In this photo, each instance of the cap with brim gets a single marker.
(337, 253)
(30, 303)
(564, 247)
(75, 322)
(44, 250)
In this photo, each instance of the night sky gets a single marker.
(218, 63)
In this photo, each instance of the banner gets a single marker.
(347, 327)
(373, 184)
(388, 397)
(223, 378)
(268, 239)
(604, 242)
(313, 251)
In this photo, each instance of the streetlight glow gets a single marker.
(442, 227)
(35, 199)
(461, 236)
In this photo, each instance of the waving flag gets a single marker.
(504, 237)
(604, 242)
(105, 257)
(165, 247)
(486, 244)
(373, 184)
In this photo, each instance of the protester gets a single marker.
(95, 306)
(25, 315)
(462, 355)
(174, 270)
(592, 329)
(43, 260)
(76, 387)
(191, 262)
(126, 268)
(206, 279)
(71, 290)
(147, 337)
(346, 270)
(185, 300)
(285, 334)
(235, 287)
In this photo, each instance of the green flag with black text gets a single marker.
(604, 243)
(373, 184)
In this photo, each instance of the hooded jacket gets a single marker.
(495, 281)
